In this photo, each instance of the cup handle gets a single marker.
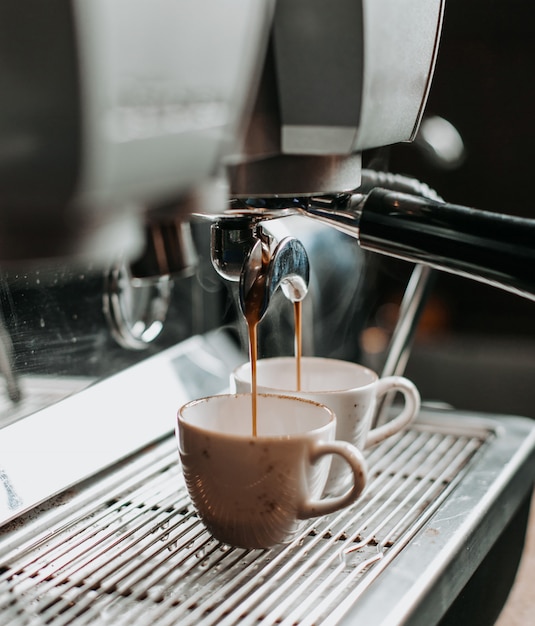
(412, 405)
(316, 508)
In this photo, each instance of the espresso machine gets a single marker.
(155, 158)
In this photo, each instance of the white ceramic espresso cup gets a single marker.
(349, 389)
(256, 491)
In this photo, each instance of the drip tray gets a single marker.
(127, 547)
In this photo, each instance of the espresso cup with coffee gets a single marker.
(256, 491)
(349, 389)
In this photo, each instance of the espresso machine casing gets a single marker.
(338, 79)
(111, 109)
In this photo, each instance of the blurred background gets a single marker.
(475, 348)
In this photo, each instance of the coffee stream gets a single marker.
(253, 306)
(298, 311)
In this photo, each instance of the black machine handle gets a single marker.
(490, 247)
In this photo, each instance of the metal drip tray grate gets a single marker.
(129, 548)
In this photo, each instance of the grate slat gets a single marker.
(139, 555)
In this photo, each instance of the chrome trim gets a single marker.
(135, 309)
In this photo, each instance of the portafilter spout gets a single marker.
(287, 267)
(243, 252)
